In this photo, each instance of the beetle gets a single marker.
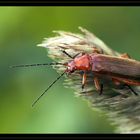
(121, 70)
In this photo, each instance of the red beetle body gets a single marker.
(119, 69)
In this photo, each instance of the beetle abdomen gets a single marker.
(116, 66)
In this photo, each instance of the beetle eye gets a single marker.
(68, 67)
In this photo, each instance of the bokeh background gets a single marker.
(21, 29)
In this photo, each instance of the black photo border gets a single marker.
(70, 3)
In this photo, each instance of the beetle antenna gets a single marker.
(67, 54)
(48, 88)
(30, 65)
(76, 55)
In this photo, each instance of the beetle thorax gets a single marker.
(79, 63)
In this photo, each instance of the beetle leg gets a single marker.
(84, 80)
(101, 90)
(96, 82)
(97, 85)
(125, 55)
(131, 89)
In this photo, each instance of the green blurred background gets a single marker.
(21, 29)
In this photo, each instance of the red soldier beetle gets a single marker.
(122, 70)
